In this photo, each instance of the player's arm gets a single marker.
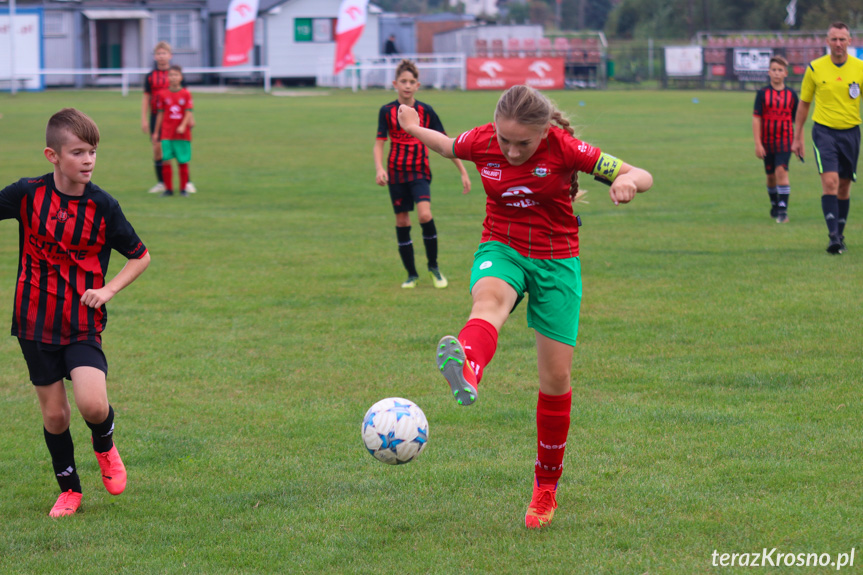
(145, 113)
(188, 120)
(756, 133)
(410, 122)
(98, 297)
(624, 179)
(465, 179)
(381, 176)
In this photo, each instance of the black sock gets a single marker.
(158, 164)
(430, 241)
(783, 196)
(773, 197)
(62, 452)
(844, 206)
(830, 207)
(406, 250)
(103, 433)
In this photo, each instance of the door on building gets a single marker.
(109, 43)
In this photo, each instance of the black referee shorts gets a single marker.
(837, 150)
(49, 363)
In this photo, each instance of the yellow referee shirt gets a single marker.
(836, 90)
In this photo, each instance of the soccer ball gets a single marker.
(395, 430)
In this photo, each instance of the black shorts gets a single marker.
(152, 123)
(774, 160)
(405, 195)
(49, 363)
(837, 150)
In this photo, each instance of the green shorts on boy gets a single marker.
(68, 228)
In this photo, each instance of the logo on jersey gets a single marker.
(854, 90)
(493, 165)
(62, 215)
(491, 174)
(584, 147)
(518, 194)
(540, 171)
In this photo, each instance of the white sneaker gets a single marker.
(157, 189)
(190, 188)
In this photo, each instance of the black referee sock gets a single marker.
(830, 207)
(158, 164)
(430, 241)
(103, 433)
(62, 452)
(406, 249)
(844, 206)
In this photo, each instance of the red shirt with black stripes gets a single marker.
(408, 159)
(777, 110)
(155, 82)
(528, 207)
(65, 246)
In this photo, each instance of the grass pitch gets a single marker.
(716, 381)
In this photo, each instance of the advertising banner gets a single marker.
(503, 73)
(239, 32)
(683, 61)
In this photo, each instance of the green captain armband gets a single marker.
(607, 167)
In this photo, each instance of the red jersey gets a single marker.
(155, 82)
(528, 207)
(408, 159)
(174, 106)
(777, 110)
(65, 246)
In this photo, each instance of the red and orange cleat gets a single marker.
(67, 504)
(113, 471)
(542, 506)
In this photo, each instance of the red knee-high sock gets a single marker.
(552, 427)
(479, 339)
(184, 176)
(168, 176)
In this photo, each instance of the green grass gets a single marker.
(716, 382)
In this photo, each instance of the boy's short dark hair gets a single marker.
(70, 121)
(176, 67)
(779, 60)
(407, 66)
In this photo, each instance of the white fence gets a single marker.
(125, 76)
(436, 70)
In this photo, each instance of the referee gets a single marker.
(833, 83)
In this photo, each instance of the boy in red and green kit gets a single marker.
(174, 122)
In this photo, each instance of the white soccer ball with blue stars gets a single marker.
(395, 430)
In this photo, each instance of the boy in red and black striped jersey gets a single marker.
(773, 128)
(68, 227)
(155, 82)
(408, 174)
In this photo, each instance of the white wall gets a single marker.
(289, 59)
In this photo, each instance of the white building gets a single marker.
(477, 7)
(296, 38)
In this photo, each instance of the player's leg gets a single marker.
(553, 310)
(88, 370)
(770, 170)
(849, 153)
(783, 187)
(402, 205)
(183, 152)
(827, 158)
(553, 408)
(157, 158)
(422, 197)
(167, 170)
(843, 204)
(46, 372)
(497, 286)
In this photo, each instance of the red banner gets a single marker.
(503, 73)
(239, 32)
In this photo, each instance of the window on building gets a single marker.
(54, 24)
(314, 29)
(176, 29)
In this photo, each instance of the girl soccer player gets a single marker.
(529, 243)
(408, 174)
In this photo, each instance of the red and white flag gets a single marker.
(349, 28)
(240, 32)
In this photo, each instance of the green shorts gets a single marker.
(554, 287)
(180, 149)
